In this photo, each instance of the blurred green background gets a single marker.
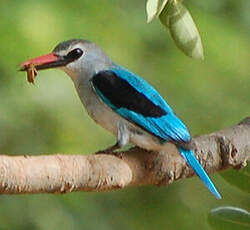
(48, 118)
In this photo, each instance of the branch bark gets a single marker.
(59, 173)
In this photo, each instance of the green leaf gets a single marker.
(154, 8)
(229, 218)
(183, 30)
(162, 4)
(164, 16)
(239, 178)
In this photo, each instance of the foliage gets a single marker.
(229, 218)
(240, 179)
(177, 19)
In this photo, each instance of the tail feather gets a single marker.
(196, 166)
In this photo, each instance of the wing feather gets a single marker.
(137, 101)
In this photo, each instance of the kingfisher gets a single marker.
(121, 102)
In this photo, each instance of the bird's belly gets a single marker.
(97, 110)
(146, 141)
(109, 120)
(105, 117)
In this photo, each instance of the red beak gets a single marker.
(39, 61)
(46, 61)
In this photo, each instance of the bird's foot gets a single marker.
(109, 150)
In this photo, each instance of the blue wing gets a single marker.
(115, 87)
(137, 101)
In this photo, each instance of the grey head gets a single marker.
(80, 59)
(83, 58)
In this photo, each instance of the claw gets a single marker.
(109, 150)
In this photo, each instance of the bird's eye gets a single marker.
(75, 54)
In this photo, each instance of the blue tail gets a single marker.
(196, 166)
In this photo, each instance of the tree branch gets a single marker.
(67, 173)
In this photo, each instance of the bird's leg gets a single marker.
(122, 139)
(110, 149)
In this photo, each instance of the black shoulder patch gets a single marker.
(122, 95)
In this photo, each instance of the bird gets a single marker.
(121, 102)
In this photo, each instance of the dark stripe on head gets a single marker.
(122, 95)
(66, 44)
